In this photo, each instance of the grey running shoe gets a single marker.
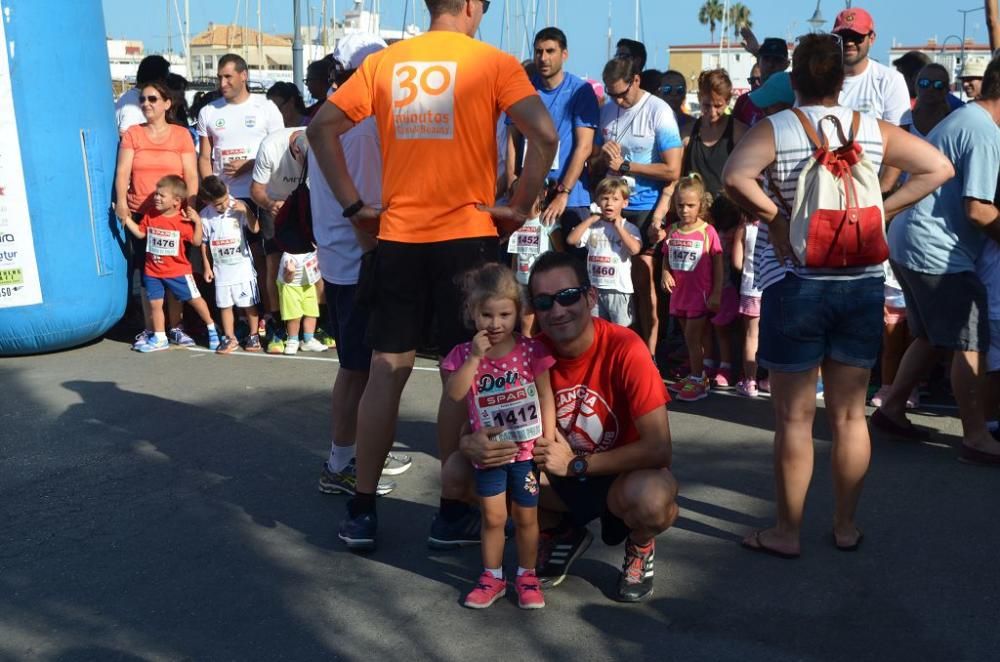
(395, 464)
(346, 482)
(636, 581)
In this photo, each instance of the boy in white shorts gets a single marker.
(611, 242)
(228, 261)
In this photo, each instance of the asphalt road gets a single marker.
(165, 507)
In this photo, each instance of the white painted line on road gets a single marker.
(265, 355)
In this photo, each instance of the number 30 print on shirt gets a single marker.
(423, 96)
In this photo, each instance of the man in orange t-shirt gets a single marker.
(436, 100)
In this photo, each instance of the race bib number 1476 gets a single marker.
(423, 95)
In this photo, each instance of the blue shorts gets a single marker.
(519, 479)
(182, 287)
(348, 320)
(804, 321)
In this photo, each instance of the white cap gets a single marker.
(974, 67)
(352, 49)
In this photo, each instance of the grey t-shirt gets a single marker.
(936, 236)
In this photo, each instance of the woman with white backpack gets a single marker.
(820, 248)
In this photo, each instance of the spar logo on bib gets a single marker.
(423, 100)
(586, 419)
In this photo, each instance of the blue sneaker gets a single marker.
(819, 389)
(463, 532)
(141, 339)
(213, 340)
(177, 336)
(154, 345)
(358, 533)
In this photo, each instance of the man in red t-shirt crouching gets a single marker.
(612, 453)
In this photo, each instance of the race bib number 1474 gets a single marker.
(423, 95)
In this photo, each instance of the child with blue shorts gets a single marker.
(504, 378)
(166, 230)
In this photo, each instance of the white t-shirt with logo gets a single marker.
(305, 267)
(336, 245)
(275, 166)
(223, 234)
(236, 130)
(877, 91)
(530, 241)
(609, 263)
(127, 110)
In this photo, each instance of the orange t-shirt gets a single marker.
(152, 161)
(436, 99)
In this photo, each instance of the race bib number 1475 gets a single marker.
(423, 95)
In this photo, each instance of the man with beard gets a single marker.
(869, 87)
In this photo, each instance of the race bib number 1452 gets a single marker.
(423, 95)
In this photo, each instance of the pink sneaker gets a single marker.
(488, 590)
(678, 386)
(880, 395)
(723, 378)
(748, 388)
(694, 391)
(529, 591)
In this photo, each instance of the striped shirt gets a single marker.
(792, 151)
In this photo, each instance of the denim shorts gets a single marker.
(804, 321)
(182, 287)
(519, 479)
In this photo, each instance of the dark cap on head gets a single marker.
(774, 47)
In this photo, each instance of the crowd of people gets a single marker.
(564, 246)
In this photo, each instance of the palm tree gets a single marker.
(739, 18)
(711, 13)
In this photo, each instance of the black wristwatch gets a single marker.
(354, 209)
(578, 467)
(625, 167)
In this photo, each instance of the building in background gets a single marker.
(692, 59)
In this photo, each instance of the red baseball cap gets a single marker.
(855, 20)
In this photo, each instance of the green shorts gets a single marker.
(297, 301)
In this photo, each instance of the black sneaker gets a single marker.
(463, 532)
(557, 549)
(636, 581)
(358, 532)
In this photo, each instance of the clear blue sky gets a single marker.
(664, 22)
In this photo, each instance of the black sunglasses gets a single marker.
(675, 89)
(152, 99)
(567, 297)
(486, 5)
(619, 95)
(853, 37)
(754, 80)
(927, 82)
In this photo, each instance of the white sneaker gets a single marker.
(291, 347)
(312, 345)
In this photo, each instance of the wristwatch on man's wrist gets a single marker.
(561, 189)
(354, 209)
(625, 167)
(578, 467)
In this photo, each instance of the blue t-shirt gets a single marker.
(935, 236)
(644, 132)
(573, 104)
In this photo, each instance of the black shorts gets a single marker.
(642, 220)
(947, 310)
(348, 320)
(586, 500)
(254, 238)
(408, 284)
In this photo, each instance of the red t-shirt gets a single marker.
(166, 256)
(601, 393)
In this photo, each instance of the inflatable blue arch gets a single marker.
(62, 259)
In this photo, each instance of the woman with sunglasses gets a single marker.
(673, 90)
(148, 152)
(933, 85)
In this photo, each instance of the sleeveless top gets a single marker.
(792, 151)
(708, 161)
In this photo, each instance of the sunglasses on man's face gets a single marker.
(565, 298)
(852, 37)
(486, 5)
(672, 89)
(924, 83)
(618, 95)
(152, 99)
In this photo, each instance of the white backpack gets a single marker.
(836, 219)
